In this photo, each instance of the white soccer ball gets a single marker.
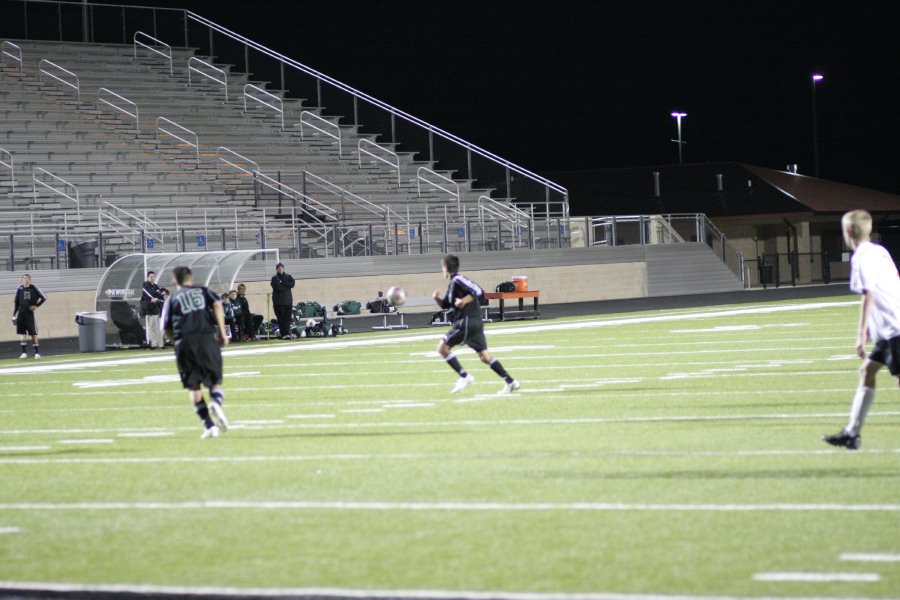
(310, 323)
(396, 296)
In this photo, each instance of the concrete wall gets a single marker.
(56, 318)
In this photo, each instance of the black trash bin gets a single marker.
(82, 255)
(766, 274)
(91, 331)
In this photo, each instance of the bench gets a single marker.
(521, 313)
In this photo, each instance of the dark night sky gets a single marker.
(558, 86)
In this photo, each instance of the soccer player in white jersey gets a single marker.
(874, 275)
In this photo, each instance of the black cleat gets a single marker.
(843, 440)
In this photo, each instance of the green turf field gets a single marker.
(664, 452)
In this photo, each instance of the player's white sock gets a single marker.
(862, 402)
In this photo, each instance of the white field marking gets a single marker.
(830, 454)
(498, 422)
(87, 441)
(818, 577)
(448, 506)
(843, 357)
(494, 350)
(145, 434)
(727, 328)
(8, 530)
(156, 591)
(389, 340)
(320, 416)
(259, 422)
(148, 379)
(408, 404)
(23, 448)
(362, 410)
(869, 557)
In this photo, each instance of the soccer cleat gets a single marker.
(23, 355)
(843, 440)
(461, 384)
(509, 388)
(219, 415)
(212, 432)
(36, 356)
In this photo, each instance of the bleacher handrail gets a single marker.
(504, 209)
(167, 55)
(75, 86)
(280, 188)
(145, 222)
(10, 165)
(442, 180)
(360, 151)
(326, 124)
(16, 57)
(379, 104)
(134, 115)
(222, 159)
(332, 188)
(195, 144)
(36, 182)
(278, 109)
(192, 69)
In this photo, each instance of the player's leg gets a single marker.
(202, 410)
(849, 437)
(217, 397)
(23, 344)
(509, 384)
(33, 331)
(36, 343)
(445, 349)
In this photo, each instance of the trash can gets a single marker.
(766, 274)
(91, 331)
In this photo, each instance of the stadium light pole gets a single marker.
(816, 78)
(679, 141)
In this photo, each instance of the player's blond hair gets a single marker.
(858, 223)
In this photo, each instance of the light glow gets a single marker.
(817, 77)
(679, 114)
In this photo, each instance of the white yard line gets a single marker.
(801, 577)
(869, 557)
(359, 594)
(446, 506)
(391, 340)
(8, 530)
(87, 441)
(146, 434)
(23, 448)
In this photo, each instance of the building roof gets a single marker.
(747, 190)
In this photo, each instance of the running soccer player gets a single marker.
(27, 300)
(467, 326)
(192, 316)
(874, 275)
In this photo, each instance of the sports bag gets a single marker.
(506, 286)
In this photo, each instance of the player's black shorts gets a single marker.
(26, 323)
(887, 352)
(466, 332)
(199, 360)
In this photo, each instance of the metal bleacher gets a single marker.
(147, 146)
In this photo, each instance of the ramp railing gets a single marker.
(154, 46)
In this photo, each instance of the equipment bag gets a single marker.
(348, 307)
(506, 286)
(309, 309)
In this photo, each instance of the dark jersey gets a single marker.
(27, 296)
(189, 311)
(461, 286)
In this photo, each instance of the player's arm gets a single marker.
(16, 304)
(288, 281)
(462, 302)
(440, 299)
(863, 333)
(219, 314)
(41, 298)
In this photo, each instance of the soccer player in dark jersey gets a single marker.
(27, 299)
(194, 319)
(467, 326)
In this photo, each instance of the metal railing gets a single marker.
(43, 71)
(8, 49)
(133, 115)
(59, 192)
(323, 126)
(140, 221)
(439, 182)
(345, 195)
(221, 157)
(272, 99)
(395, 163)
(168, 49)
(159, 129)
(9, 165)
(210, 67)
(299, 200)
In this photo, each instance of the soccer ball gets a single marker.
(396, 296)
(310, 323)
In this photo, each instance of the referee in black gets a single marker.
(27, 299)
(193, 317)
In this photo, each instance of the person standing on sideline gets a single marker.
(151, 307)
(874, 275)
(467, 328)
(282, 300)
(194, 319)
(27, 299)
(246, 319)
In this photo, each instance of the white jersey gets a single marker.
(873, 270)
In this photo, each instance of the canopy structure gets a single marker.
(120, 289)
